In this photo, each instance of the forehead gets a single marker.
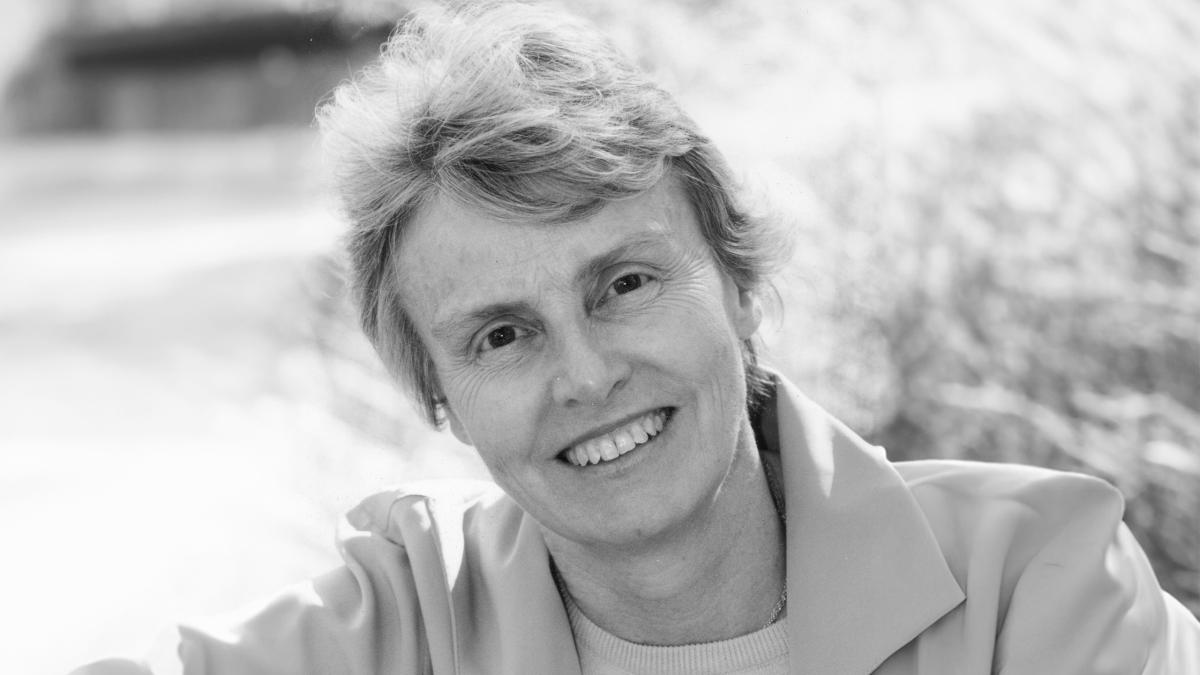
(453, 259)
(663, 212)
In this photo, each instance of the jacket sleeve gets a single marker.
(361, 618)
(1088, 603)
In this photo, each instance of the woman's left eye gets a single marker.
(626, 283)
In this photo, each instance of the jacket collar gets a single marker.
(488, 603)
(865, 573)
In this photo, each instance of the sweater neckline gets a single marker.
(737, 654)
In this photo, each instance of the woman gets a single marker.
(551, 258)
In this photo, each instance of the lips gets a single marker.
(616, 442)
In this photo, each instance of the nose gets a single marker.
(587, 371)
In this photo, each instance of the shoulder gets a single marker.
(1049, 570)
(1017, 481)
(435, 525)
(405, 514)
(1044, 499)
(1007, 514)
(386, 608)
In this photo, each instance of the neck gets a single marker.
(718, 576)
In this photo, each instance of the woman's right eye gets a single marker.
(499, 337)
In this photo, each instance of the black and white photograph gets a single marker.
(600, 337)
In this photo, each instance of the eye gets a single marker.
(499, 337)
(626, 283)
(502, 336)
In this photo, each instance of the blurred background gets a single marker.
(996, 209)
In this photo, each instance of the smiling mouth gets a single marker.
(611, 445)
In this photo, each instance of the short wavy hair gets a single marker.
(518, 111)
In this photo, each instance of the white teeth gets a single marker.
(608, 449)
(639, 434)
(617, 442)
(623, 440)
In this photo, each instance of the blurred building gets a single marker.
(126, 65)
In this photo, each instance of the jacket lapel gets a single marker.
(865, 574)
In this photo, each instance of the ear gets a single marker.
(745, 312)
(456, 425)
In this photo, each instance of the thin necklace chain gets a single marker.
(778, 607)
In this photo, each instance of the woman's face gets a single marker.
(594, 365)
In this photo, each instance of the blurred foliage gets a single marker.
(997, 213)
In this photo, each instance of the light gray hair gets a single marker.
(520, 112)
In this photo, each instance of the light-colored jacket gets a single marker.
(916, 567)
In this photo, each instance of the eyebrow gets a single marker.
(451, 327)
(456, 325)
(594, 267)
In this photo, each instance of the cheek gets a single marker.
(693, 329)
(497, 415)
(696, 340)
